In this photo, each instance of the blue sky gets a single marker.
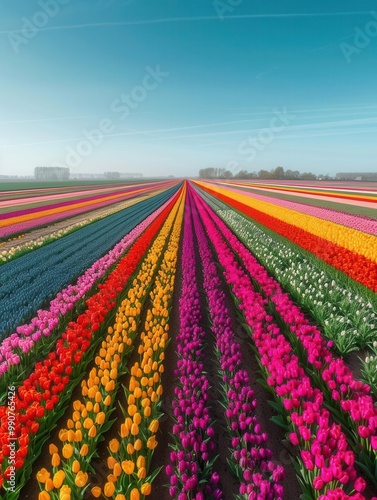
(169, 87)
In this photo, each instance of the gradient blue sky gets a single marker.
(228, 76)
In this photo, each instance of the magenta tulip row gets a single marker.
(190, 475)
(353, 396)
(359, 222)
(327, 462)
(28, 337)
(250, 454)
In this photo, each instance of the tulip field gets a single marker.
(189, 340)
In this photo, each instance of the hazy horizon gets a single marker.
(129, 86)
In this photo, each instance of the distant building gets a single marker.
(51, 173)
(112, 175)
(107, 176)
(130, 175)
(356, 176)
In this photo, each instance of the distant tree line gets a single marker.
(276, 173)
(51, 173)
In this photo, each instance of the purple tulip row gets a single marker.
(28, 337)
(353, 396)
(193, 432)
(359, 222)
(327, 463)
(261, 477)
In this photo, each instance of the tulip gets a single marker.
(109, 489)
(81, 479)
(88, 422)
(63, 434)
(58, 479)
(52, 449)
(42, 475)
(134, 429)
(142, 473)
(75, 466)
(152, 443)
(67, 451)
(138, 444)
(55, 460)
(128, 466)
(84, 450)
(117, 470)
(92, 431)
(96, 491)
(140, 462)
(100, 418)
(146, 489)
(49, 485)
(78, 436)
(43, 495)
(153, 426)
(135, 495)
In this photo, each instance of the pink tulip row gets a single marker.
(359, 222)
(353, 396)
(190, 473)
(261, 477)
(28, 337)
(327, 462)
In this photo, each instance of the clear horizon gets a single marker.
(129, 86)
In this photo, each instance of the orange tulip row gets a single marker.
(130, 457)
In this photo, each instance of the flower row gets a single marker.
(44, 392)
(335, 377)
(359, 262)
(314, 433)
(32, 337)
(25, 247)
(250, 456)
(359, 222)
(31, 280)
(130, 458)
(190, 470)
(90, 417)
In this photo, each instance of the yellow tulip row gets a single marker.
(130, 457)
(352, 239)
(90, 414)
